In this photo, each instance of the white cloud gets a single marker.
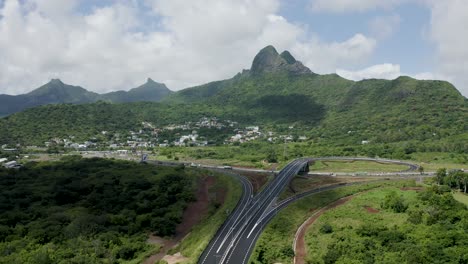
(342, 6)
(449, 32)
(325, 57)
(117, 46)
(381, 71)
(383, 27)
(387, 71)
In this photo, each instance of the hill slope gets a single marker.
(151, 91)
(277, 92)
(56, 92)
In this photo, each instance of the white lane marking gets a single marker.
(252, 230)
(273, 186)
(224, 227)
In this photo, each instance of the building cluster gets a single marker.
(244, 135)
(204, 122)
(197, 133)
(7, 163)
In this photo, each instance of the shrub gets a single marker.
(394, 202)
(326, 229)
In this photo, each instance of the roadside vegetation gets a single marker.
(262, 154)
(89, 210)
(355, 166)
(193, 245)
(301, 184)
(392, 225)
(275, 243)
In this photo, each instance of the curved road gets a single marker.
(235, 240)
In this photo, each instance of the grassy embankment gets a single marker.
(461, 197)
(274, 245)
(196, 241)
(257, 154)
(355, 166)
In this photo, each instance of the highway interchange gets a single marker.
(235, 239)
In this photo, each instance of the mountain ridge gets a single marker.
(326, 107)
(57, 92)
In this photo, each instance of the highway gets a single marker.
(239, 233)
(235, 240)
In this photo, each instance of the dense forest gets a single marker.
(88, 210)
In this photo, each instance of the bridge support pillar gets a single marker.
(304, 169)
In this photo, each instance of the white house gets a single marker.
(10, 164)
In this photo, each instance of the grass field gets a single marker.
(353, 215)
(355, 166)
(274, 245)
(302, 184)
(461, 197)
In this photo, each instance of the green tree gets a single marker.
(394, 202)
(272, 157)
(421, 169)
(440, 175)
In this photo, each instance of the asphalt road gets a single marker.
(235, 240)
(239, 233)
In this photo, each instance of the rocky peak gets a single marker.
(269, 61)
(288, 57)
(56, 81)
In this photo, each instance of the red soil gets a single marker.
(418, 189)
(193, 214)
(258, 179)
(371, 210)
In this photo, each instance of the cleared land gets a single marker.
(355, 166)
(192, 245)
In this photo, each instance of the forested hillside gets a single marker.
(104, 208)
(283, 93)
(57, 92)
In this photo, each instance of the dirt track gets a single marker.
(300, 249)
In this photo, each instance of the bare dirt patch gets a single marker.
(300, 248)
(176, 258)
(193, 214)
(258, 179)
(371, 210)
(418, 189)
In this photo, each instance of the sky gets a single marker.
(110, 45)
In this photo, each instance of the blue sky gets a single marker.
(109, 45)
(408, 45)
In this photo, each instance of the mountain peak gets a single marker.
(56, 81)
(149, 80)
(269, 61)
(288, 57)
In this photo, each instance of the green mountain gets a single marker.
(151, 91)
(56, 92)
(277, 92)
(52, 92)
